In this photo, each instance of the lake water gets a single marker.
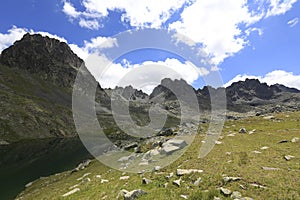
(23, 162)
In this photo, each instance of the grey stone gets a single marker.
(146, 181)
(295, 139)
(177, 182)
(236, 195)
(288, 157)
(225, 191)
(229, 178)
(169, 149)
(181, 172)
(184, 196)
(133, 194)
(197, 182)
(71, 192)
(175, 142)
(243, 130)
(270, 168)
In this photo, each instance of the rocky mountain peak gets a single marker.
(49, 58)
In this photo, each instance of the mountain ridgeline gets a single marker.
(37, 75)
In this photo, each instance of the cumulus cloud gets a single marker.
(293, 22)
(278, 7)
(142, 13)
(110, 74)
(13, 34)
(90, 24)
(288, 79)
(215, 24)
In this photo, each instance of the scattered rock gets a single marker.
(166, 185)
(29, 184)
(81, 166)
(228, 153)
(74, 186)
(181, 172)
(283, 141)
(124, 177)
(3, 142)
(295, 139)
(269, 117)
(177, 182)
(133, 194)
(156, 168)
(169, 149)
(130, 146)
(175, 142)
(85, 180)
(257, 152)
(270, 168)
(251, 132)
(166, 132)
(197, 182)
(184, 196)
(126, 158)
(216, 198)
(257, 185)
(231, 135)
(229, 178)
(264, 148)
(218, 142)
(98, 176)
(170, 175)
(84, 175)
(246, 198)
(225, 192)
(146, 181)
(243, 130)
(104, 181)
(71, 192)
(288, 157)
(236, 195)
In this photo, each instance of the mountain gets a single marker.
(36, 81)
(242, 96)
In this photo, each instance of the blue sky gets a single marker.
(255, 39)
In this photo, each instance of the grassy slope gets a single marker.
(281, 184)
(31, 107)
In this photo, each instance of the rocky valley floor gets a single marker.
(261, 163)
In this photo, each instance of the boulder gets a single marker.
(288, 157)
(295, 139)
(243, 130)
(133, 194)
(197, 182)
(169, 149)
(184, 196)
(236, 195)
(124, 177)
(225, 191)
(181, 172)
(146, 181)
(177, 182)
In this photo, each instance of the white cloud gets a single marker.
(278, 7)
(69, 10)
(277, 76)
(13, 34)
(212, 23)
(89, 24)
(293, 22)
(110, 74)
(142, 13)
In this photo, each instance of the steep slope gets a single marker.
(36, 79)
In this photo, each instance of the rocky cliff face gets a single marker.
(49, 58)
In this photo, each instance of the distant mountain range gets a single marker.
(37, 75)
